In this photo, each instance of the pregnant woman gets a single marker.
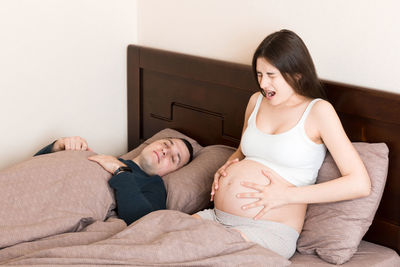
(263, 189)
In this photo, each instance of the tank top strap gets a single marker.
(253, 114)
(305, 114)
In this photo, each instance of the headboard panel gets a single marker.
(190, 81)
(206, 99)
(179, 108)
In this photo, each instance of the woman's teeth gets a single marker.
(270, 93)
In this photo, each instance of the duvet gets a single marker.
(56, 210)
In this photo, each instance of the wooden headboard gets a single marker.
(206, 99)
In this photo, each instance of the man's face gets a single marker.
(163, 156)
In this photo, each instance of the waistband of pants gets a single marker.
(231, 220)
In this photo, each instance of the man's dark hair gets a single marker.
(189, 147)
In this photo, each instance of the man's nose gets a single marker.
(165, 151)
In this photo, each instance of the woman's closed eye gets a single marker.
(269, 74)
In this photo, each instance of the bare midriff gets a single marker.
(226, 200)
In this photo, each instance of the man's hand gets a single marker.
(109, 163)
(71, 143)
(221, 172)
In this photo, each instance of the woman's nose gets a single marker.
(265, 82)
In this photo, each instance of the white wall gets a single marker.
(351, 41)
(63, 62)
(62, 73)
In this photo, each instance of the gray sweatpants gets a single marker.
(275, 236)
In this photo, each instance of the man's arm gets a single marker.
(46, 150)
(65, 143)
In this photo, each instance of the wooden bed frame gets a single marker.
(206, 100)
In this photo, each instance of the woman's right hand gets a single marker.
(221, 173)
(71, 143)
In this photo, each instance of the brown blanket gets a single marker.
(53, 209)
(165, 237)
(52, 194)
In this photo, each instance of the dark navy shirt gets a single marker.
(136, 192)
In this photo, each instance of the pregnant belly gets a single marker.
(247, 170)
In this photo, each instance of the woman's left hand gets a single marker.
(269, 196)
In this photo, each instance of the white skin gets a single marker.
(71, 143)
(163, 156)
(158, 158)
(322, 126)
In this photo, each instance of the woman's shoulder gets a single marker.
(255, 95)
(323, 112)
(252, 103)
(322, 106)
(253, 99)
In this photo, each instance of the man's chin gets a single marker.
(147, 167)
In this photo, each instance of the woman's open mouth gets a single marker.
(270, 93)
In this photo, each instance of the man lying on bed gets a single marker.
(137, 183)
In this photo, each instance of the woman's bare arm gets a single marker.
(353, 183)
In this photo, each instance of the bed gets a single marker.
(203, 99)
(206, 99)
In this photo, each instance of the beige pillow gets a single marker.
(52, 194)
(334, 230)
(188, 189)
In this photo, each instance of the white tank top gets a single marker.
(291, 154)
